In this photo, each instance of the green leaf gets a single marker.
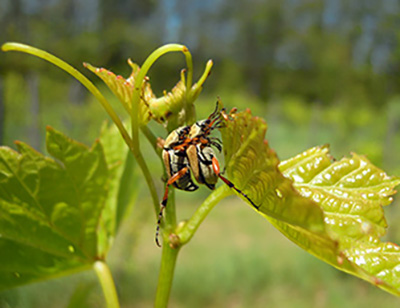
(380, 261)
(123, 187)
(253, 167)
(168, 109)
(123, 89)
(351, 193)
(50, 209)
(161, 109)
(170, 106)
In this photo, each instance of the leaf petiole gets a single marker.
(186, 232)
(107, 284)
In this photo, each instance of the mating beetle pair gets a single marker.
(187, 151)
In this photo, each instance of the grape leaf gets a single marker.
(349, 194)
(50, 210)
(160, 109)
(123, 187)
(171, 109)
(350, 191)
(253, 167)
(123, 89)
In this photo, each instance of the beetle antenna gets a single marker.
(215, 113)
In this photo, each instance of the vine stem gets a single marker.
(135, 109)
(107, 284)
(186, 232)
(168, 261)
(182, 237)
(168, 256)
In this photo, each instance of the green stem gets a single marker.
(107, 284)
(141, 78)
(135, 111)
(189, 64)
(193, 92)
(149, 180)
(170, 212)
(168, 261)
(206, 72)
(77, 75)
(187, 231)
(169, 254)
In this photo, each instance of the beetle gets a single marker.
(188, 153)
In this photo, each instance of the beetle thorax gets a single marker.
(199, 129)
(176, 136)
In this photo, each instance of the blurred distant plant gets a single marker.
(61, 215)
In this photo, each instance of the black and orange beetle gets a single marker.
(188, 153)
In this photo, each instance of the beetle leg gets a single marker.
(217, 171)
(160, 143)
(164, 201)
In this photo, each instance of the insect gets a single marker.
(188, 153)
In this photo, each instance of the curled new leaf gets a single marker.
(170, 109)
(167, 108)
(123, 89)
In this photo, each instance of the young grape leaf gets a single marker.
(160, 109)
(123, 89)
(349, 192)
(170, 109)
(50, 210)
(253, 168)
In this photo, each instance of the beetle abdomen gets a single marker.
(200, 161)
(175, 162)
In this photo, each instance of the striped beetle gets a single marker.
(187, 151)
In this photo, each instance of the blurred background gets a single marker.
(325, 71)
